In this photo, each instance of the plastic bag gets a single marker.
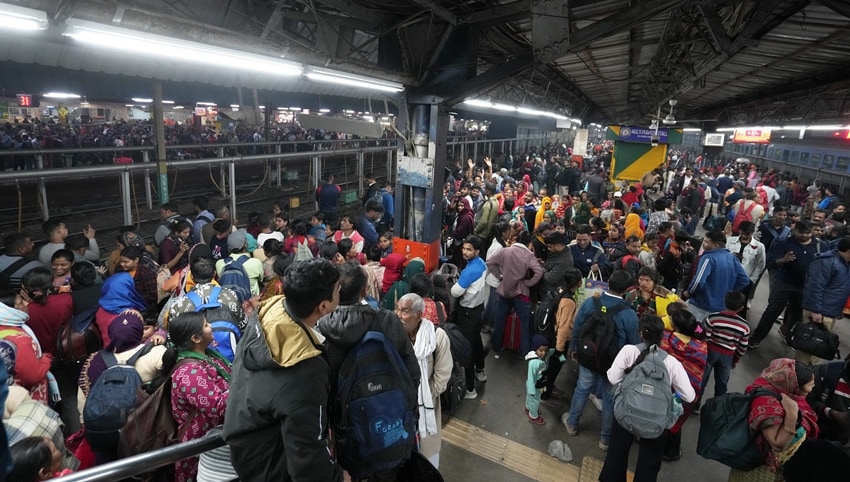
(560, 451)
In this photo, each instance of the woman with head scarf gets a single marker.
(780, 426)
(402, 286)
(125, 347)
(117, 294)
(545, 206)
(31, 367)
(463, 227)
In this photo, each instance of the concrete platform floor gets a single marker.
(490, 439)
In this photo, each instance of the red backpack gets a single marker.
(742, 215)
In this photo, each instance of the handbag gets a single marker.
(814, 339)
(590, 287)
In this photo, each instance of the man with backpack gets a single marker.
(277, 412)
(202, 217)
(791, 258)
(603, 325)
(367, 227)
(347, 331)
(239, 270)
(220, 304)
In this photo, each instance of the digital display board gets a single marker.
(757, 136)
(25, 100)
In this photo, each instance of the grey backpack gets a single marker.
(644, 401)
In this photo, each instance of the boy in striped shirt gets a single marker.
(728, 337)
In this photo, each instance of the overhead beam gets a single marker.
(438, 10)
(500, 13)
(722, 42)
(623, 19)
(274, 19)
(838, 6)
(355, 10)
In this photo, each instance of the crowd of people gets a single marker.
(274, 334)
(36, 135)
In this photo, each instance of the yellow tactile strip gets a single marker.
(507, 453)
(591, 467)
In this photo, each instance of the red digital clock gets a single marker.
(24, 100)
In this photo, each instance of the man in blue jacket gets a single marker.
(826, 290)
(718, 273)
(626, 325)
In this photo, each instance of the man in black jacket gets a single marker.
(277, 415)
(345, 326)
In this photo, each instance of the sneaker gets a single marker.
(570, 429)
(696, 410)
(551, 403)
(537, 421)
(779, 320)
(480, 376)
(603, 445)
(470, 395)
(597, 402)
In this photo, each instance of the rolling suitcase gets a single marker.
(513, 333)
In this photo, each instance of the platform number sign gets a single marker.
(25, 100)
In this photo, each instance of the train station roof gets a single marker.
(723, 62)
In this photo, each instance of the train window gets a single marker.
(815, 159)
(827, 161)
(786, 155)
(770, 152)
(843, 163)
(795, 156)
(804, 158)
(777, 154)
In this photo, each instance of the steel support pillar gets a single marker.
(316, 175)
(278, 149)
(42, 194)
(126, 200)
(159, 133)
(360, 174)
(232, 167)
(148, 193)
(391, 177)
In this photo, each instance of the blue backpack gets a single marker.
(235, 277)
(225, 332)
(111, 398)
(377, 429)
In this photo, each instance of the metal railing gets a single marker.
(143, 463)
(227, 164)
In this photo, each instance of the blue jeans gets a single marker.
(723, 364)
(591, 382)
(500, 313)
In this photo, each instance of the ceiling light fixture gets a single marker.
(142, 100)
(61, 95)
(14, 17)
(344, 78)
(324, 111)
(109, 37)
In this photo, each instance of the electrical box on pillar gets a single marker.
(419, 190)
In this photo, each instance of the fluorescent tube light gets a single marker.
(168, 102)
(504, 107)
(21, 18)
(211, 104)
(324, 111)
(61, 95)
(107, 36)
(344, 78)
(478, 103)
(691, 129)
(142, 100)
(179, 107)
(297, 109)
(235, 106)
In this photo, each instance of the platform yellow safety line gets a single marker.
(507, 453)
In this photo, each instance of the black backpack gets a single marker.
(544, 314)
(377, 429)
(597, 345)
(724, 431)
(111, 398)
(460, 346)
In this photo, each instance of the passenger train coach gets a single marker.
(826, 154)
